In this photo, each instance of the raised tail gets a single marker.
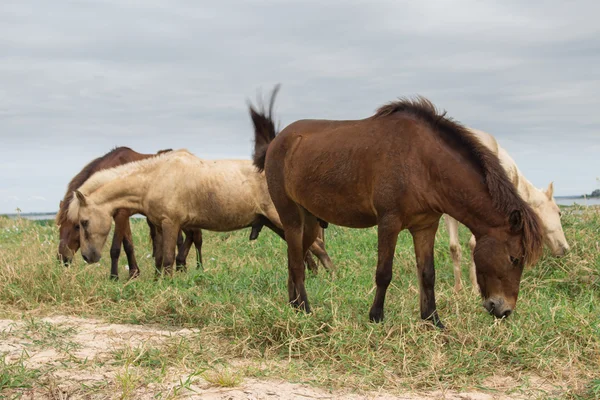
(264, 130)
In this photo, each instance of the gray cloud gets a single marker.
(78, 78)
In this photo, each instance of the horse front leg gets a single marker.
(387, 235)
(134, 270)
(169, 242)
(472, 269)
(183, 249)
(424, 239)
(455, 250)
(115, 248)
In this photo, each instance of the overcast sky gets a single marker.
(78, 78)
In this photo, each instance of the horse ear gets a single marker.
(550, 191)
(81, 198)
(516, 221)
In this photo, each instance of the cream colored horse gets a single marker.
(541, 201)
(176, 190)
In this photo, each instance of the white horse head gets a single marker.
(544, 205)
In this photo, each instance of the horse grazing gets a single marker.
(176, 190)
(542, 202)
(69, 231)
(400, 169)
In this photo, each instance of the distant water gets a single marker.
(563, 201)
(45, 216)
(570, 201)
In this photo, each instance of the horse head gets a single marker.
(94, 225)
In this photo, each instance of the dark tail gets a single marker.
(264, 130)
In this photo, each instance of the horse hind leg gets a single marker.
(158, 252)
(310, 263)
(294, 222)
(197, 237)
(455, 250)
(271, 221)
(152, 236)
(310, 231)
(318, 249)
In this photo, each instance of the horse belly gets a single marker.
(219, 214)
(336, 204)
(219, 224)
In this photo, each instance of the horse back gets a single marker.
(367, 165)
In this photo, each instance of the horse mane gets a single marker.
(78, 180)
(104, 176)
(505, 196)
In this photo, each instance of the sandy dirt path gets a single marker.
(76, 358)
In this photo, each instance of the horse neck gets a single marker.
(123, 192)
(467, 199)
(528, 192)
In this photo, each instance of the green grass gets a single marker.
(239, 304)
(15, 375)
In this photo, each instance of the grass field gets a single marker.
(245, 329)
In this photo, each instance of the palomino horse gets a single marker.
(541, 201)
(69, 231)
(176, 190)
(400, 169)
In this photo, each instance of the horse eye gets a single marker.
(514, 260)
(77, 227)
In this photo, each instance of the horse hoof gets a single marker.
(376, 315)
(435, 320)
(300, 306)
(114, 278)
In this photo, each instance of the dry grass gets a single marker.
(246, 329)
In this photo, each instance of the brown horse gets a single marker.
(69, 232)
(400, 169)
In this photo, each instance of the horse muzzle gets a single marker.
(561, 251)
(498, 307)
(91, 257)
(64, 255)
(65, 260)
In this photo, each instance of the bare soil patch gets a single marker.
(76, 358)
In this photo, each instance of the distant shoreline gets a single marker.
(583, 196)
(560, 200)
(44, 216)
